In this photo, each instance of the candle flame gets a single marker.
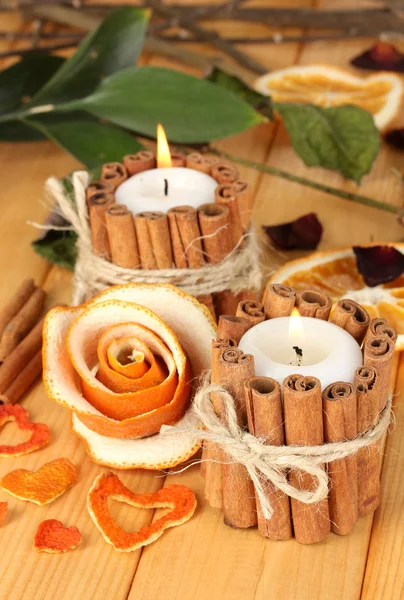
(295, 324)
(163, 150)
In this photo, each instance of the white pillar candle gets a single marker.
(162, 189)
(328, 352)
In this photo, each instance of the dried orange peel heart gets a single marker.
(40, 432)
(42, 486)
(125, 370)
(3, 510)
(108, 485)
(52, 537)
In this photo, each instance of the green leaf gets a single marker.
(261, 103)
(88, 140)
(342, 138)
(192, 110)
(116, 44)
(58, 248)
(17, 131)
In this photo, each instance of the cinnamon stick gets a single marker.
(243, 191)
(114, 173)
(252, 311)
(378, 352)
(311, 303)
(98, 186)
(352, 317)
(279, 300)
(186, 243)
(368, 459)
(211, 455)
(303, 414)
(122, 236)
(139, 162)
(197, 161)
(16, 302)
(225, 195)
(178, 159)
(232, 327)
(380, 326)
(265, 420)
(224, 172)
(24, 379)
(20, 356)
(238, 490)
(154, 240)
(99, 203)
(22, 323)
(340, 423)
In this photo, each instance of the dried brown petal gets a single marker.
(302, 234)
(381, 57)
(379, 264)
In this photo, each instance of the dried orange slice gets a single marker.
(326, 85)
(335, 273)
(126, 371)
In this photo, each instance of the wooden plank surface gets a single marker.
(203, 558)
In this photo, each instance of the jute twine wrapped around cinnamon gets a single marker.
(270, 462)
(238, 271)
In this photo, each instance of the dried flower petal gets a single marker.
(380, 57)
(303, 234)
(3, 510)
(395, 137)
(42, 486)
(379, 264)
(40, 432)
(52, 537)
(107, 485)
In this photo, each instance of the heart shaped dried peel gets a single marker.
(51, 536)
(40, 431)
(3, 510)
(108, 485)
(42, 486)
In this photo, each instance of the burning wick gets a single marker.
(165, 187)
(299, 355)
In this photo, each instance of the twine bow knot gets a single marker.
(266, 463)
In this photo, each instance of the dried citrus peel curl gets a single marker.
(40, 432)
(51, 536)
(108, 485)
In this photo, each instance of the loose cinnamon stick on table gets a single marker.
(252, 311)
(24, 379)
(99, 203)
(340, 424)
(186, 243)
(368, 459)
(352, 317)
(197, 161)
(226, 195)
(211, 467)
(265, 420)
(224, 172)
(114, 173)
(380, 326)
(22, 323)
(154, 240)
(232, 327)
(238, 490)
(378, 352)
(279, 300)
(122, 236)
(139, 162)
(311, 303)
(16, 302)
(95, 187)
(303, 414)
(243, 191)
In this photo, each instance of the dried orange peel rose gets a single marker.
(52, 537)
(40, 432)
(3, 510)
(42, 486)
(107, 485)
(123, 363)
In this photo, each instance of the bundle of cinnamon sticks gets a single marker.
(182, 238)
(299, 413)
(21, 341)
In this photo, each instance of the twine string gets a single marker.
(270, 463)
(240, 270)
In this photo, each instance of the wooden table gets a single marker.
(203, 558)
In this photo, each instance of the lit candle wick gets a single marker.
(299, 355)
(165, 187)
